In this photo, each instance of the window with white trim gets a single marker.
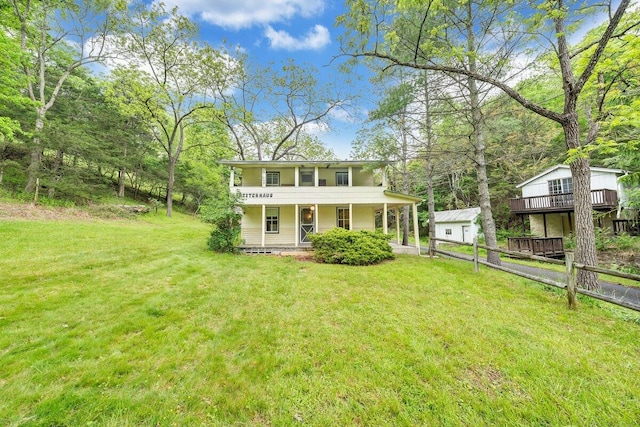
(342, 179)
(306, 178)
(272, 220)
(447, 231)
(561, 186)
(273, 179)
(342, 217)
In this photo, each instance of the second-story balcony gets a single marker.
(310, 195)
(600, 200)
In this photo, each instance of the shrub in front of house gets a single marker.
(340, 246)
(225, 215)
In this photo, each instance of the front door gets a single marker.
(306, 224)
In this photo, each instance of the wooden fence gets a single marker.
(571, 268)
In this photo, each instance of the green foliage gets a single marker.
(225, 216)
(340, 246)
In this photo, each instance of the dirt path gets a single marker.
(21, 211)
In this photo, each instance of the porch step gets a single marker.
(283, 251)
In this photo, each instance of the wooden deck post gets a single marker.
(572, 301)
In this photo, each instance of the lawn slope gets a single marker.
(136, 323)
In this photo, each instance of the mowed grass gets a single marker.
(136, 323)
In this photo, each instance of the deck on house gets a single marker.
(551, 247)
(600, 200)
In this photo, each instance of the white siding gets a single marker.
(363, 219)
(457, 232)
(540, 186)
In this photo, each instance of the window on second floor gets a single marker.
(273, 179)
(561, 186)
(306, 178)
(342, 179)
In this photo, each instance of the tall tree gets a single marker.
(12, 80)
(548, 27)
(272, 112)
(174, 77)
(66, 33)
(387, 135)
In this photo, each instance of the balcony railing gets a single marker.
(600, 199)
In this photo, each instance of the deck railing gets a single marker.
(626, 226)
(550, 247)
(604, 198)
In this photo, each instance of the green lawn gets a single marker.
(136, 323)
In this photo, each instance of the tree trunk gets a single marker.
(431, 200)
(122, 173)
(172, 172)
(477, 136)
(586, 252)
(431, 205)
(405, 226)
(33, 171)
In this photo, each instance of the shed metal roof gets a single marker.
(457, 215)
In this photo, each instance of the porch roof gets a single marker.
(402, 196)
(302, 163)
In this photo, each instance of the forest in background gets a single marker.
(155, 126)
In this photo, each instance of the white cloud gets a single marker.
(315, 39)
(238, 14)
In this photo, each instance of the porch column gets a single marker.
(416, 228)
(544, 223)
(264, 177)
(264, 225)
(350, 176)
(315, 177)
(385, 226)
(398, 225)
(350, 216)
(296, 221)
(296, 178)
(384, 177)
(232, 178)
(315, 215)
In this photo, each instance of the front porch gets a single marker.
(305, 251)
(271, 228)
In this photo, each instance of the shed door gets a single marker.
(466, 233)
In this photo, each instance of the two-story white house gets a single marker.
(547, 199)
(285, 201)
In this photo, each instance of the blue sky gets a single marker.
(275, 30)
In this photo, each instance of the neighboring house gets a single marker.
(547, 199)
(285, 201)
(459, 224)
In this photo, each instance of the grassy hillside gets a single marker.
(136, 323)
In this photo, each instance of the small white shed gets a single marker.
(458, 224)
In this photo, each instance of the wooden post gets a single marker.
(475, 254)
(572, 301)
